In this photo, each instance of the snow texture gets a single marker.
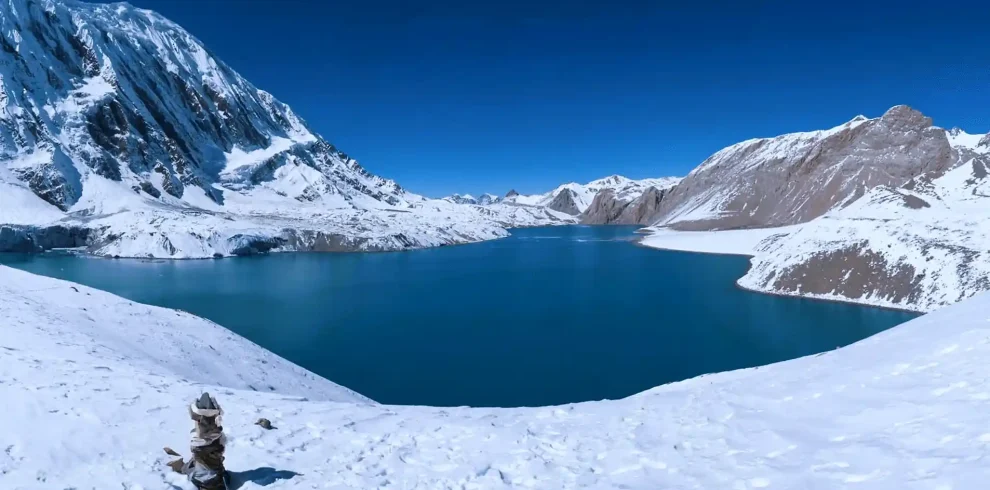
(94, 386)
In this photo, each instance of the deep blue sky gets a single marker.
(461, 96)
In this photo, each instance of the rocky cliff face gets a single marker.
(566, 202)
(608, 209)
(116, 120)
(797, 177)
(579, 199)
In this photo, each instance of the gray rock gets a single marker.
(607, 209)
(565, 202)
(30, 239)
(798, 177)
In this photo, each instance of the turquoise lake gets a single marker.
(546, 316)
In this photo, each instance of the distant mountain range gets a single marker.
(610, 200)
(122, 134)
(483, 200)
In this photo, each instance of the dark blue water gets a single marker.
(548, 316)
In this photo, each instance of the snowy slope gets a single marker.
(583, 194)
(117, 121)
(89, 404)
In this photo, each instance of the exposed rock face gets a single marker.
(608, 209)
(565, 202)
(29, 239)
(798, 177)
(645, 208)
(605, 209)
(579, 199)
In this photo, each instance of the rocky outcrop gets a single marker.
(797, 177)
(573, 197)
(608, 209)
(605, 209)
(565, 202)
(32, 239)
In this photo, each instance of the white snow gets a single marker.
(18, 205)
(237, 158)
(94, 386)
(729, 242)
(960, 138)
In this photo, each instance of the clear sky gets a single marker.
(463, 96)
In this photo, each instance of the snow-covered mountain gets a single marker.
(89, 402)
(120, 130)
(891, 211)
(459, 199)
(488, 199)
(482, 200)
(574, 198)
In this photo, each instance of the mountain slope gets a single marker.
(116, 121)
(92, 403)
(797, 177)
(890, 211)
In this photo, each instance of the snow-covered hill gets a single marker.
(574, 198)
(119, 125)
(91, 394)
(890, 211)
